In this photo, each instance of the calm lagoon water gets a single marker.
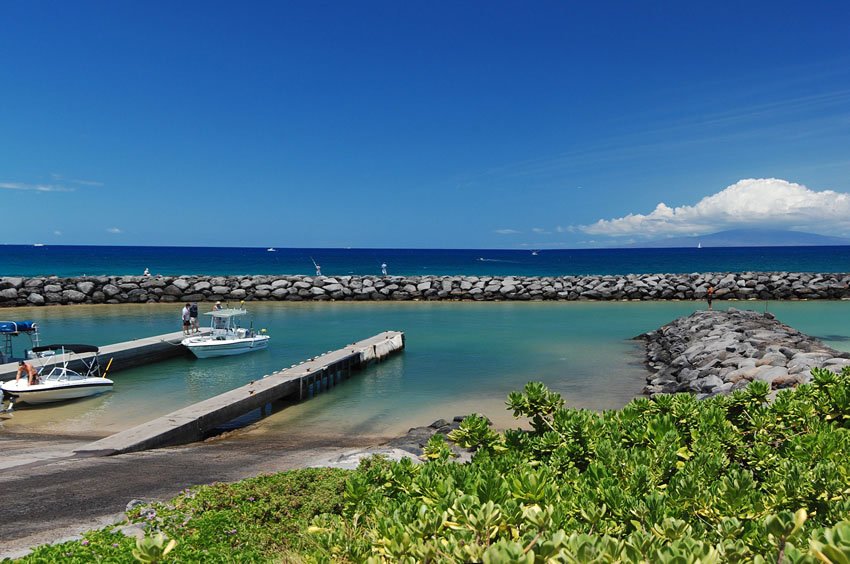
(459, 358)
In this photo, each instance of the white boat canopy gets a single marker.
(227, 313)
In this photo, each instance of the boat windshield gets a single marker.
(60, 374)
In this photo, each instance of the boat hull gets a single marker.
(204, 347)
(49, 393)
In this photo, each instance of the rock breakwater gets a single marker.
(716, 352)
(15, 291)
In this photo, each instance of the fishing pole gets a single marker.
(318, 268)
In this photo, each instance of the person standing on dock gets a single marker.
(193, 318)
(186, 319)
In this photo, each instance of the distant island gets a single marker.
(749, 238)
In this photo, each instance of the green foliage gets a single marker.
(672, 479)
(105, 545)
(254, 520)
(153, 548)
(474, 432)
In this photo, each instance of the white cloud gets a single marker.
(114, 230)
(34, 187)
(752, 202)
(507, 231)
(57, 233)
(86, 182)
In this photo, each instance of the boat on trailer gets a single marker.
(226, 337)
(59, 382)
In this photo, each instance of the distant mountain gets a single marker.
(750, 238)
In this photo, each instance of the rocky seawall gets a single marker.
(15, 291)
(716, 352)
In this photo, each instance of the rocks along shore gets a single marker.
(16, 291)
(716, 352)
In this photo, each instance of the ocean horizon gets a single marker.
(93, 260)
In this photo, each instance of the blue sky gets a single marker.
(414, 124)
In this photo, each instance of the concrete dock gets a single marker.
(299, 382)
(128, 354)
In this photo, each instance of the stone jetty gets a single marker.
(716, 352)
(51, 290)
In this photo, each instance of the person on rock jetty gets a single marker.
(709, 295)
(383, 269)
(186, 315)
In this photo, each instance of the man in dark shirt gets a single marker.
(193, 318)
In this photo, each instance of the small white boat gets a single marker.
(271, 249)
(226, 337)
(61, 383)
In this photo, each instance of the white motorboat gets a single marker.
(226, 337)
(61, 383)
(271, 250)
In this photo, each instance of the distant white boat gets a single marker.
(699, 245)
(535, 253)
(38, 244)
(271, 250)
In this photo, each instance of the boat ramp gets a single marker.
(297, 382)
(197, 421)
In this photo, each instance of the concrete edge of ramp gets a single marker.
(191, 423)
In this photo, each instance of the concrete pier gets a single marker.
(128, 354)
(299, 382)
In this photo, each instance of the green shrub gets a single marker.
(254, 520)
(731, 478)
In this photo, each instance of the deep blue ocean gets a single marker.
(62, 260)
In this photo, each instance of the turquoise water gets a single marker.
(460, 357)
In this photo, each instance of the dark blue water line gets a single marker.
(62, 260)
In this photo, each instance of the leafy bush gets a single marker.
(254, 520)
(731, 478)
